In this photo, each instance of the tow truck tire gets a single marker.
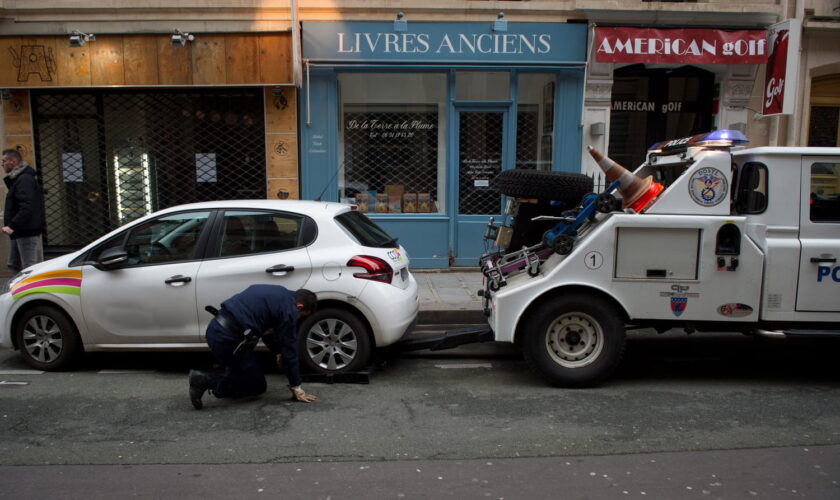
(48, 339)
(332, 341)
(575, 341)
(566, 188)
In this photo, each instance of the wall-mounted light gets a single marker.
(501, 23)
(180, 39)
(79, 39)
(400, 24)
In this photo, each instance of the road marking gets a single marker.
(21, 372)
(121, 372)
(466, 365)
(5, 383)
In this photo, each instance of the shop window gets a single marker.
(650, 105)
(824, 123)
(393, 151)
(535, 121)
(482, 86)
(825, 192)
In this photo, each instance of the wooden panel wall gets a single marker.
(146, 60)
(281, 155)
(17, 120)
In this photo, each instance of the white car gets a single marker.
(145, 285)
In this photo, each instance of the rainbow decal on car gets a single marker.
(68, 281)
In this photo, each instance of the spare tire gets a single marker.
(567, 188)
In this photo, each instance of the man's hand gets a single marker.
(8, 230)
(302, 396)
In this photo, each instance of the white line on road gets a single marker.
(21, 372)
(4, 382)
(466, 365)
(121, 372)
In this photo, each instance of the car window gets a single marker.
(751, 190)
(825, 192)
(364, 230)
(170, 238)
(246, 232)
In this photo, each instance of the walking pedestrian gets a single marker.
(23, 215)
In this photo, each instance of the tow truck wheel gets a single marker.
(563, 244)
(606, 203)
(574, 341)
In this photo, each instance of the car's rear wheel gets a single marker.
(334, 341)
(47, 339)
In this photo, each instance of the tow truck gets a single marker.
(705, 235)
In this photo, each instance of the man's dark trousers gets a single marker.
(245, 376)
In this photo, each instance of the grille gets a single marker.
(108, 157)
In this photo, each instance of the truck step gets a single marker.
(799, 333)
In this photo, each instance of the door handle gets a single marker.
(178, 278)
(280, 268)
(829, 260)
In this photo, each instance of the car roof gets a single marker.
(302, 206)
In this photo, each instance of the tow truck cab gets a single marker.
(742, 240)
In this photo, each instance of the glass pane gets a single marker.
(822, 129)
(365, 231)
(482, 86)
(168, 239)
(255, 232)
(393, 150)
(825, 192)
(479, 161)
(534, 121)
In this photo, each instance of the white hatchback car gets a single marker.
(145, 285)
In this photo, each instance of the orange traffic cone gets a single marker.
(636, 193)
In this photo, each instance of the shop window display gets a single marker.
(392, 147)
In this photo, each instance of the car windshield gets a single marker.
(365, 230)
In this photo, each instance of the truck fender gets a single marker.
(548, 295)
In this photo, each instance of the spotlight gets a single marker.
(78, 39)
(400, 24)
(500, 24)
(180, 39)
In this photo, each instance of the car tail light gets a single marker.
(375, 268)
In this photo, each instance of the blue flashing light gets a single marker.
(718, 138)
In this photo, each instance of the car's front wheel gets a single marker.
(575, 341)
(334, 341)
(47, 339)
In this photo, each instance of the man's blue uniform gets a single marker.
(260, 308)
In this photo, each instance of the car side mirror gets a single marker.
(112, 258)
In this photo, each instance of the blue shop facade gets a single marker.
(413, 121)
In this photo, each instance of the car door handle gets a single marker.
(829, 260)
(178, 278)
(280, 268)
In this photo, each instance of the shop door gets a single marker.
(479, 152)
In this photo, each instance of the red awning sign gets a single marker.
(681, 46)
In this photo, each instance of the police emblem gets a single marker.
(678, 305)
(708, 187)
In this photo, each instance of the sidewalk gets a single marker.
(449, 297)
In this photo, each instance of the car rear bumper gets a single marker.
(393, 310)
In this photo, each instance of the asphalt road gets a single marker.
(707, 416)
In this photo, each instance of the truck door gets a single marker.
(819, 233)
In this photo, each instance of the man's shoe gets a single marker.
(200, 382)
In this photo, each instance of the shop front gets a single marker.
(412, 122)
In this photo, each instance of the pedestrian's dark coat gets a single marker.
(24, 210)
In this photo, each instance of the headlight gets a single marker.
(11, 281)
